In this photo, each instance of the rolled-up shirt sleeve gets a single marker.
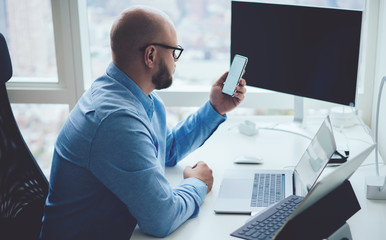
(125, 158)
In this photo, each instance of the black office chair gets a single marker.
(23, 187)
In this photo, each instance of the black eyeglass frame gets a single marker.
(179, 48)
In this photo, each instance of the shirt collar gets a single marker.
(147, 101)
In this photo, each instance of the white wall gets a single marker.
(380, 71)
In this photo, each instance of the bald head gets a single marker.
(136, 27)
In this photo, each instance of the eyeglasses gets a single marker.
(176, 50)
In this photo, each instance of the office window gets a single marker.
(28, 28)
(40, 125)
(203, 28)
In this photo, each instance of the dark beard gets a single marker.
(162, 79)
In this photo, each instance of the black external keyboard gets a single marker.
(268, 222)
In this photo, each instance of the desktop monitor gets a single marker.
(304, 51)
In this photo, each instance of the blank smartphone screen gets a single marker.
(234, 74)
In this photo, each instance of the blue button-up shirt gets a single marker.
(109, 161)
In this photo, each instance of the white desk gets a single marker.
(279, 150)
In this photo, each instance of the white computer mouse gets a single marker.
(249, 160)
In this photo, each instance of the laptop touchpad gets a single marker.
(236, 188)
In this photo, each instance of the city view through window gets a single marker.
(203, 29)
(31, 46)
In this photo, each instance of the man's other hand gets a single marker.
(202, 172)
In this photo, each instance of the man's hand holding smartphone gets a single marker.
(235, 72)
(223, 102)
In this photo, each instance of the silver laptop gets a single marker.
(244, 191)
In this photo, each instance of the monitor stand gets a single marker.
(297, 127)
(298, 110)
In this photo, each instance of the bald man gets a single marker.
(108, 166)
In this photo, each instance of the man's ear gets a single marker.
(150, 54)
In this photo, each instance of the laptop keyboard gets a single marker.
(267, 223)
(267, 189)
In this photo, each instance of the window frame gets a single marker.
(72, 58)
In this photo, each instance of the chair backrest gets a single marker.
(23, 187)
(5, 61)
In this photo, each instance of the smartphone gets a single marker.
(236, 70)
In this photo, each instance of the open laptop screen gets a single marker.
(314, 159)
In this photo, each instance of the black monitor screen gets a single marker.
(305, 51)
